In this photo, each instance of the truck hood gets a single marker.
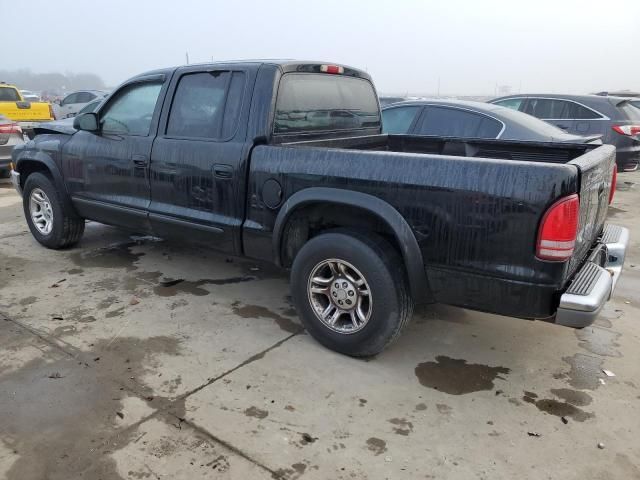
(57, 126)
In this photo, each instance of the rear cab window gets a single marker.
(315, 102)
(9, 94)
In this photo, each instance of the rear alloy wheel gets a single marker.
(350, 291)
(340, 296)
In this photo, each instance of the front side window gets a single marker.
(202, 108)
(398, 120)
(452, 122)
(311, 103)
(130, 113)
(512, 103)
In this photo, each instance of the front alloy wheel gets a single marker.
(41, 211)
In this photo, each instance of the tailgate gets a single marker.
(26, 111)
(595, 172)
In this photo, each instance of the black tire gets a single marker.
(382, 268)
(4, 172)
(67, 228)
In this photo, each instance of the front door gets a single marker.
(108, 171)
(197, 162)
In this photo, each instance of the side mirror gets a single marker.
(87, 122)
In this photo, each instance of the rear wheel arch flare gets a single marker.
(374, 206)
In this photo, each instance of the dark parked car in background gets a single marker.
(617, 119)
(10, 135)
(457, 118)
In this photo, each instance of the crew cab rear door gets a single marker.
(198, 161)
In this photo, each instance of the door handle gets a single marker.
(139, 160)
(223, 171)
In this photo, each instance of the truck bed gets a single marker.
(477, 148)
(474, 206)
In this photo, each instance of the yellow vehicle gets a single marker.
(27, 114)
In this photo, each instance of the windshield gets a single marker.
(310, 102)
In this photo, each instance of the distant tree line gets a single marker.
(52, 82)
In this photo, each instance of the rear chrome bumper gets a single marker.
(595, 282)
(15, 180)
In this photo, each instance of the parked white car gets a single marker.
(74, 102)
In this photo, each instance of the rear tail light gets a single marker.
(331, 69)
(628, 130)
(614, 181)
(558, 230)
(10, 128)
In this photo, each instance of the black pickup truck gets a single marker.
(284, 161)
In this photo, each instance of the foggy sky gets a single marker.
(470, 46)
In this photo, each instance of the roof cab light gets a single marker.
(331, 69)
(628, 130)
(558, 230)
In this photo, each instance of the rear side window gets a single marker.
(555, 109)
(452, 122)
(576, 111)
(89, 107)
(206, 105)
(70, 99)
(8, 94)
(84, 97)
(131, 111)
(310, 103)
(512, 103)
(399, 119)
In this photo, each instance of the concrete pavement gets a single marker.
(131, 358)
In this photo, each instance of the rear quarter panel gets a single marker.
(474, 219)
